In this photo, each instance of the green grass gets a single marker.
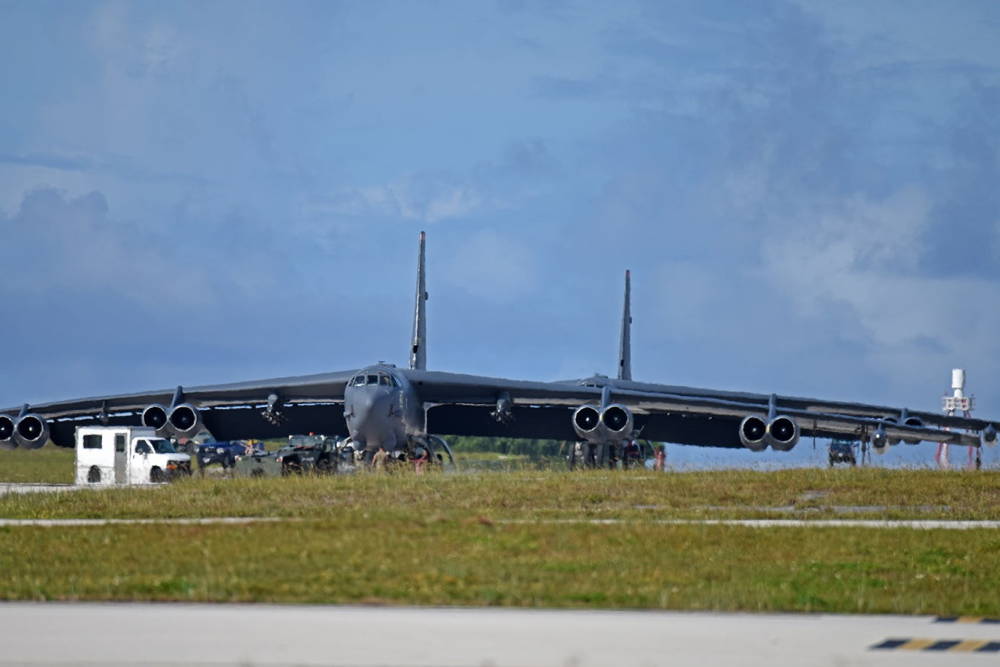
(445, 539)
(437, 561)
(876, 493)
(48, 465)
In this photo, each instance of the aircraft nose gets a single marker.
(370, 411)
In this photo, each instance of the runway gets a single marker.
(182, 634)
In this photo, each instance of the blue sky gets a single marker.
(806, 192)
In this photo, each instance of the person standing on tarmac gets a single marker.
(378, 460)
(660, 460)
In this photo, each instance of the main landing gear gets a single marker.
(612, 455)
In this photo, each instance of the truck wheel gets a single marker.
(156, 475)
(325, 465)
(257, 472)
(291, 467)
(94, 475)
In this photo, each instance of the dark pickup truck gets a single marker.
(225, 453)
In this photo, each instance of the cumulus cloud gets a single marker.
(71, 243)
(435, 196)
(423, 197)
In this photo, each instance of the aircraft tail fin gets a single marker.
(625, 342)
(418, 346)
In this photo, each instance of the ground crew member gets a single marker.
(378, 461)
(661, 458)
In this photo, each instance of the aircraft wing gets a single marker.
(468, 405)
(304, 403)
(787, 403)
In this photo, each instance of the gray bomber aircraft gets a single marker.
(400, 409)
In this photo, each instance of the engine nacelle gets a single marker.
(782, 433)
(915, 422)
(618, 421)
(184, 420)
(587, 422)
(155, 416)
(879, 440)
(753, 433)
(613, 423)
(31, 431)
(990, 435)
(7, 440)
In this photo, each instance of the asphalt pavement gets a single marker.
(233, 634)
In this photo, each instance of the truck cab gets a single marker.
(108, 455)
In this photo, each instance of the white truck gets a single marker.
(109, 455)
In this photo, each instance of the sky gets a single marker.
(200, 192)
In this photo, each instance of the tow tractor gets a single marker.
(109, 455)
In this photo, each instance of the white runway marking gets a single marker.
(238, 634)
(126, 522)
(746, 523)
(918, 524)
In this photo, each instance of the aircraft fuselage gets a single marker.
(382, 408)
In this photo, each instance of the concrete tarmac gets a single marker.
(231, 634)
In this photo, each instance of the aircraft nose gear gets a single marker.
(438, 452)
(504, 412)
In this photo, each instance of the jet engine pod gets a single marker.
(891, 420)
(879, 440)
(31, 431)
(753, 433)
(989, 435)
(155, 416)
(617, 419)
(7, 440)
(915, 422)
(782, 433)
(185, 420)
(586, 421)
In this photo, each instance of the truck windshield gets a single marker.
(162, 446)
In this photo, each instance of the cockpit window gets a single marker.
(384, 379)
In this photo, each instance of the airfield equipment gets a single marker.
(959, 402)
(126, 455)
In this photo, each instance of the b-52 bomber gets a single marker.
(404, 409)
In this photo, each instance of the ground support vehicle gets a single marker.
(258, 464)
(225, 453)
(109, 455)
(308, 453)
(842, 451)
(302, 454)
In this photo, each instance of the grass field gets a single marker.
(445, 539)
(48, 465)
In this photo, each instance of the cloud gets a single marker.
(437, 196)
(71, 244)
(424, 197)
(493, 267)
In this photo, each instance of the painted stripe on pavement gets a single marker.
(919, 524)
(126, 522)
(938, 645)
